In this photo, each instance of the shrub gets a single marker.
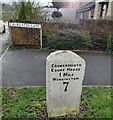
(69, 39)
(110, 42)
(99, 43)
(27, 10)
(7, 16)
(56, 14)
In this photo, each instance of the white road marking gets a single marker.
(4, 52)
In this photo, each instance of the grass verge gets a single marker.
(30, 102)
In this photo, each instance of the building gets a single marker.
(103, 9)
(99, 9)
(86, 11)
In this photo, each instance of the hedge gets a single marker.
(68, 39)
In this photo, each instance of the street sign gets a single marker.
(25, 25)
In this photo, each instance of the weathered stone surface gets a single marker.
(64, 76)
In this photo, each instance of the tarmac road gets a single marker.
(28, 68)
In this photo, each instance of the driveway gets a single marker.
(28, 68)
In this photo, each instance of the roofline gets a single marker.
(78, 11)
(85, 9)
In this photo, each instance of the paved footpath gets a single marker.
(28, 68)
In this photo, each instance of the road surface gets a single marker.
(28, 68)
(4, 42)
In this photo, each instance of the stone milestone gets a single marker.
(64, 76)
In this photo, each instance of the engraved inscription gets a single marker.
(66, 72)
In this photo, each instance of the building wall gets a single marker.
(110, 9)
(78, 16)
(86, 14)
(107, 12)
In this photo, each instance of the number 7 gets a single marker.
(67, 83)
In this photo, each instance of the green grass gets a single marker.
(99, 100)
(17, 101)
(25, 102)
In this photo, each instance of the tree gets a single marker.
(27, 11)
(57, 5)
(56, 14)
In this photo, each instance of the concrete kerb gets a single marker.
(84, 86)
